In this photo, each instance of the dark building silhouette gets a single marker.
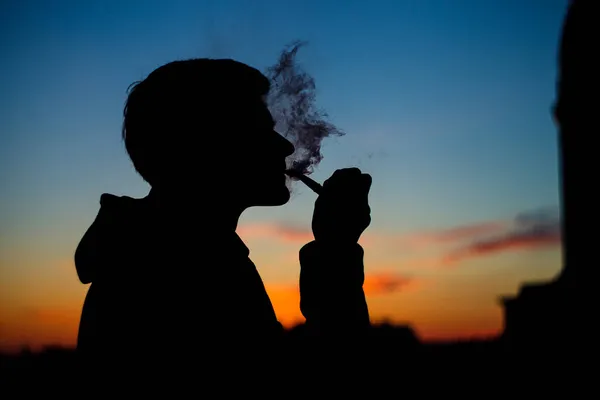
(544, 317)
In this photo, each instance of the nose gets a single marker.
(287, 148)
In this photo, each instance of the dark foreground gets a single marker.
(394, 358)
(387, 344)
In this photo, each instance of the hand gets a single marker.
(342, 211)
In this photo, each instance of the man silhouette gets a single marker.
(168, 271)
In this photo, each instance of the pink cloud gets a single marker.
(536, 230)
(512, 241)
(453, 234)
(282, 232)
(374, 285)
(532, 230)
(386, 283)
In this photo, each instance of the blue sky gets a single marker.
(446, 104)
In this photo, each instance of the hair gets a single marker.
(176, 100)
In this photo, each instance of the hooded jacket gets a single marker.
(160, 279)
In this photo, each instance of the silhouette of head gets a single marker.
(202, 126)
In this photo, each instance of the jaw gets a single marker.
(273, 198)
(276, 201)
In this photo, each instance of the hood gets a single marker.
(95, 248)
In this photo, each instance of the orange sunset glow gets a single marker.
(437, 301)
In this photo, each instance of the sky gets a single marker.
(445, 103)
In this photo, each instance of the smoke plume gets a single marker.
(291, 101)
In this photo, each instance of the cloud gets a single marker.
(291, 233)
(532, 230)
(416, 263)
(286, 297)
(467, 231)
(386, 283)
(453, 234)
(536, 229)
(374, 285)
(279, 231)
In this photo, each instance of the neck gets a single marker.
(215, 213)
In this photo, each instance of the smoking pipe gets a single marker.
(315, 186)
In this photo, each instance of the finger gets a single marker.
(363, 195)
(367, 181)
(358, 184)
(342, 175)
(349, 171)
(345, 173)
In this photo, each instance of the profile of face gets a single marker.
(242, 162)
(260, 156)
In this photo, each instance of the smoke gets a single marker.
(532, 230)
(291, 101)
